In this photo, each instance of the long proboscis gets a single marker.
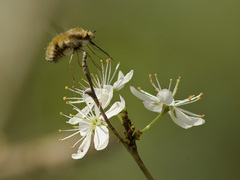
(101, 49)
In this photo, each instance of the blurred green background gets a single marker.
(197, 40)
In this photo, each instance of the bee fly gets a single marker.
(69, 42)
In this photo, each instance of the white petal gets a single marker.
(83, 148)
(84, 127)
(101, 137)
(153, 106)
(116, 108)
(122, 80)
(105, 95)
(166, 97)
(142, 96)
(184, 120)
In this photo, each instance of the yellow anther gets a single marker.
(59, 139)
(202, 115)
(201, 94)
(75, 127)
(100, 103)
(150, 76)
(101, 60)
(96, 75)
(66, 87)
(139, 88)
(198, 97)
(61, 113)
(101, 85)
(155, 74)
(170, 80)
(179, 77)
(64, 98)
(81, 150)
(59, 130)
(71, 115)
(156, 89)
(69, 102)
(151, 81)
(71, 147)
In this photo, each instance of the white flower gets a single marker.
(103, 85)
(106, 78)
(164, 98)
(92, 124)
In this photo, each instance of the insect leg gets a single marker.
(71, 69)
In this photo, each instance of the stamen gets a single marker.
(139, 88)
(64, 98)
(176, 86)
(114, 73)
(66, 87)
(169, 87)
(59, 139)
(59, 130)
(159, 87)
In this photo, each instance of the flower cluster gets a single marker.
(89, 121)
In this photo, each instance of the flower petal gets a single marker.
(84, 127)
(101, 137)
(142, 96)
(122, 80)
(116, 108)
(184, 120)
(166, 97)
(155, 107)
(83, 148)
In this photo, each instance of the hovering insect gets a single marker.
(69, 42)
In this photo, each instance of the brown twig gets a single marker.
(130, 136)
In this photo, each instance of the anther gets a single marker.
(61, 113)
(170, 80)
(155, 74)
(202, 115)
(101, 60)
(198, 97)
(81, 150)
(74, 127)
(96, 75)
(100, 104)
(59, 139)
(150, 76)
(71, 115)
(59, 130)
(66, 87)
(179, 77)
(201, 94)
(101, 85)
(156, 89)
(151, 81)
(64, 98)
(139, 88)
(71, 147)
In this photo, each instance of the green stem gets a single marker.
(164, 110)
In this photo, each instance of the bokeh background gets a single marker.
(197, 40)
